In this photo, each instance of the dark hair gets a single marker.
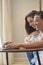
(40, 13)
(28, 28)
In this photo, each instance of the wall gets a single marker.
(0, 32)
(42, 5)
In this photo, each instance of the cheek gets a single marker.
(39, 25)
(30, 24)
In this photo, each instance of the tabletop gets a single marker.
(21, 50)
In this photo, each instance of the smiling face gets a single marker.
(38, 22)
(31, 22)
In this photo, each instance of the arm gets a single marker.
(25, 45)
(32, 44)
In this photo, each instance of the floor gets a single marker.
(20, 59)
(21, 62)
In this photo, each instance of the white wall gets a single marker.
(42, 5)
(0, 33)
(0, 17)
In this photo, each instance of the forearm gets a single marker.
(32, 44)
(25, 45)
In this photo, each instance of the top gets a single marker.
(36, 38)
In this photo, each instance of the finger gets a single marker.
(7, 46)
(6, 43)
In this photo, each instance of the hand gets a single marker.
(6, 43)
(12, 46)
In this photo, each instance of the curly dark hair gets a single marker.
(28, 28)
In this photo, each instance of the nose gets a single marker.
(36, 23)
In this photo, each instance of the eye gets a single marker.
(31, 21)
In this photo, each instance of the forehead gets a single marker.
(37, 17)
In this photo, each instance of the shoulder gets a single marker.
(34, 33)
(27, 39)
